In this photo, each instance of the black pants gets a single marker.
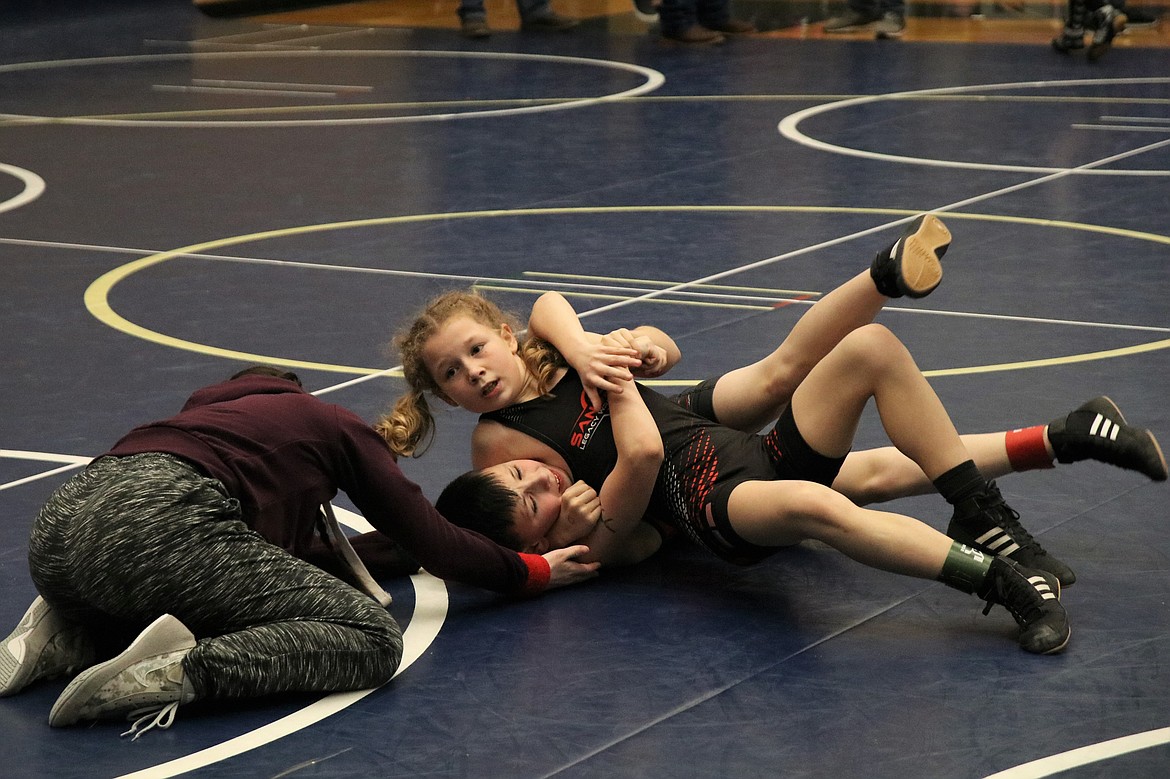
(133, 538)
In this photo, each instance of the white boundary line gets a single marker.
(1092, 753)
(34, 187)
(72, 461)
(788, 128)
(654, 79)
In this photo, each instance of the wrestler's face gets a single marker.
(538, 489)
(476, 366)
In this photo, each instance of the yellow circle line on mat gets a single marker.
(98, 304)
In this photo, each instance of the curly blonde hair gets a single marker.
(409, 426)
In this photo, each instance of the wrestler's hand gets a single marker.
(602, 365)
(580, 511)
(654, 360)
(565, 568)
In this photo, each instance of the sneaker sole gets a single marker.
(165, 634)
(23, 647)
(919, 267)
(858, 27)
(718, 40)
(1161, 457)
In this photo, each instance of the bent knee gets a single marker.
(385, 651)
(874, 346)
(872, 338)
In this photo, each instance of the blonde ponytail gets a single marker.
(543, 361)
(409, 427)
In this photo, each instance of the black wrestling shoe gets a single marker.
(1139, 19)
(1107, 23)
(911, 265)
(1098, 431)
(1033, 598)
(1071, 39)
(986, 522)
(43, 646)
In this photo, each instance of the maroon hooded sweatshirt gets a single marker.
(282, 453)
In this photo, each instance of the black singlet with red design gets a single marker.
(699, 454)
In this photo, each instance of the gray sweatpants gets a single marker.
(132, 538)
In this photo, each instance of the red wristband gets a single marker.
(539, 573)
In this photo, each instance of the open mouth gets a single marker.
(561, 485)
(489, 388)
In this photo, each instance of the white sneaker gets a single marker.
(147, 678)
(891, 25)
(42, 646)
(850, 21)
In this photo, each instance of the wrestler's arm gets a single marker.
(601, 363)
(620, 537)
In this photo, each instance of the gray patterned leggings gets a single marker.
(132, 538)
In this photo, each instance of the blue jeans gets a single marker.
(529, 9)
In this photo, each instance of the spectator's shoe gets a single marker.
(1071, 39)
(548, 22)
(647, 10)
(475, 28)
(1137, 19)
(891, 25)
(911, 265)
(43, 646)
(732, 27)
(1033, 598)
(987, 523)
(695, 35)
(1107, 23)
(145, 681)
(1098, 431)
(850, 21)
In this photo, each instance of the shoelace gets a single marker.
(1009, 519)
(160, 717)
(1037, 590)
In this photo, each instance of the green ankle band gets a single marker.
(965, 568)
